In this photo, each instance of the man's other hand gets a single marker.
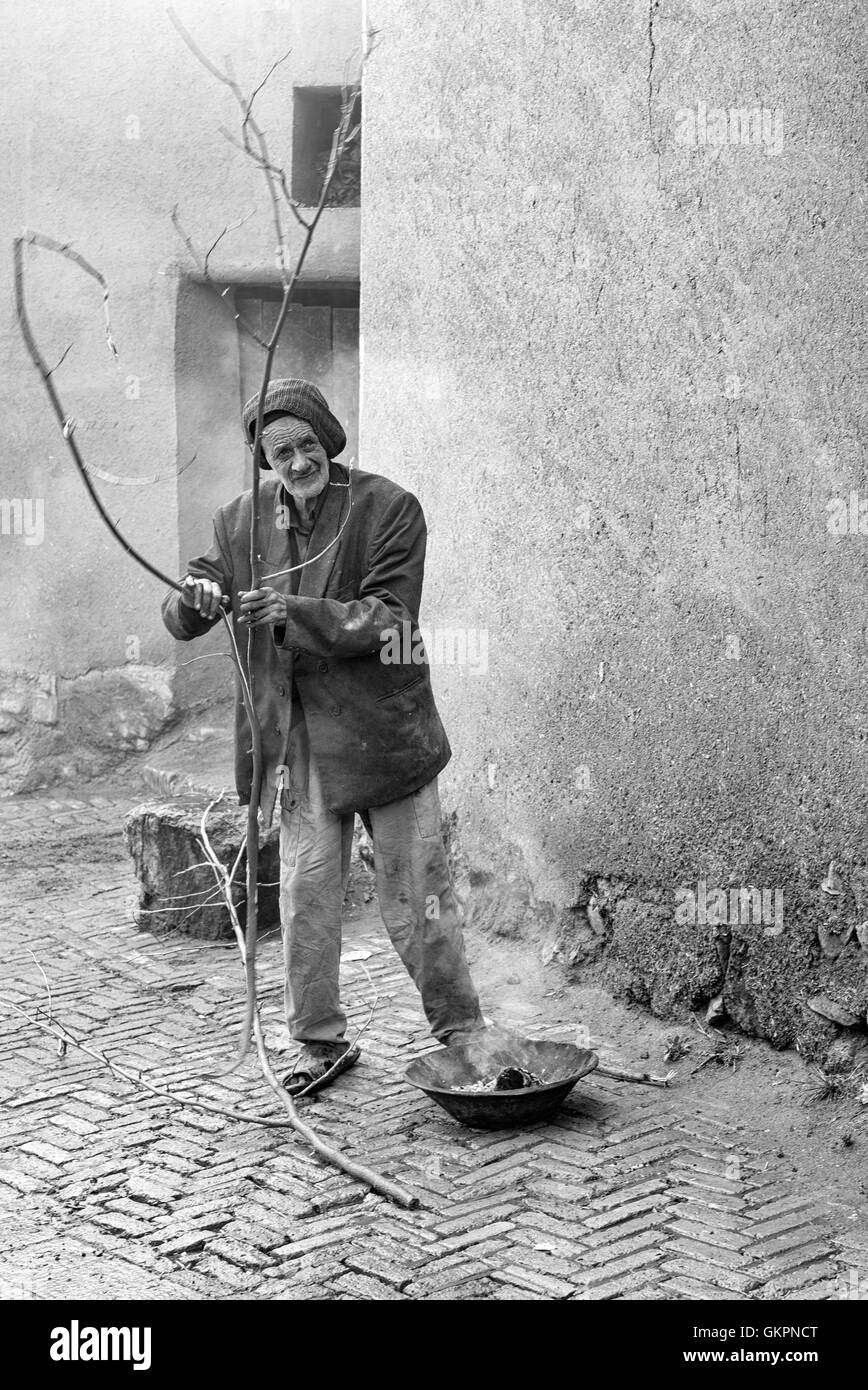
(262, 606)
(203, 595)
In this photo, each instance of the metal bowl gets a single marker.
(558, 1065)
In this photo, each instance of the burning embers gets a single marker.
(507, 1079)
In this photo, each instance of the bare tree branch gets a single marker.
(67, 425)
(232, 227)
(374, 1180)
(202, 264)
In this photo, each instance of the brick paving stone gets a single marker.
(538, 1283)
(650, 1239)
(796, 1238)
(517, 1292)
(806, 1253)
(615, 1215)
(515, 1167)
(540, 1221)
(68, 1119)
(305, 1292)
(544, 1262)
(304, 1246)
(704, 1250)
(226, 1273)
(619, 1285)
(365, 1262)
(650, 1222)
(436, 1282)
(713, 1274)
(38, 1168)
(768, 1210)
(709, 1234)
(779, 1225)
(126, 1225)
(618, 1193)
(611, 1263)
(799, 1278)
(473, 1290)
(253, 1234)
(19, 1182)
(562, 1192)
(151, 1190)
(695, 1289)
(363, 1286)
(476, 1235)
(46, 1151)
(489, 1209)
(185, 1242)
(237, 1253)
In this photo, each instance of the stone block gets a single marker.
(177, 888)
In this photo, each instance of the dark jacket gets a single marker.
(373, 726)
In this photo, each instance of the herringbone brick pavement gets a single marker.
(108, 1192)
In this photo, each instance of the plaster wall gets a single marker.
(625, 374)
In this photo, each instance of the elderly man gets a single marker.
(343, 730)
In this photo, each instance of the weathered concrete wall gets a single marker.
(621, 371)
(108, 123)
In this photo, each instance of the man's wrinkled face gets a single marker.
(297, 457)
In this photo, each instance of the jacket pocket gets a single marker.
(402, 690)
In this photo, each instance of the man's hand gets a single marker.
(202, 594)
(262, 606)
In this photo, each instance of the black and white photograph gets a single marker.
(433, 721)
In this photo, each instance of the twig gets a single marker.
(206, 274)
(232, 227)
(60, 359)
(702, 1029)
(117, 481)
(206, 656)
(45, 979)
(228, 79)
(267, 166)
(644, 1078)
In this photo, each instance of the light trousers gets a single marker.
(419, 907)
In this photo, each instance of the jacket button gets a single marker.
(281, 690)
(322, 666)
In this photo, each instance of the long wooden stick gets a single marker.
(276, 183)
(373, 1179)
